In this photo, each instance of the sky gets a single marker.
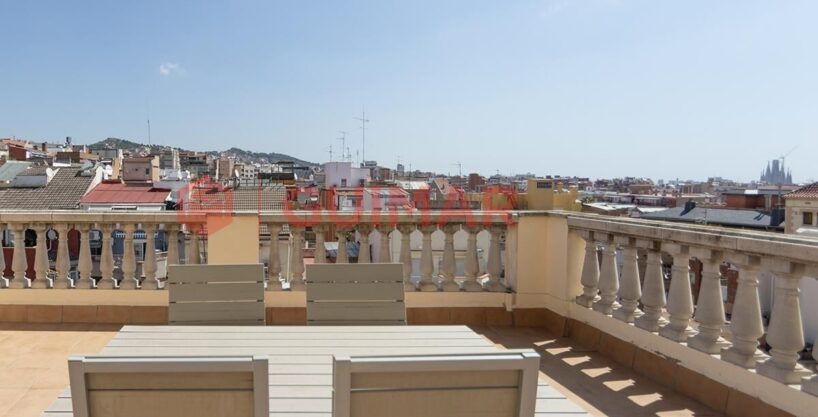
(596, 88)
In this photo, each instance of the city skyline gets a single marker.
(595, 88)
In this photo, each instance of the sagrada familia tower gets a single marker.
(775, 173)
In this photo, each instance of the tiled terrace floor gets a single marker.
(33, 371)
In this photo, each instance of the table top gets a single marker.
(300, 357)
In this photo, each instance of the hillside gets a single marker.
(240, 154)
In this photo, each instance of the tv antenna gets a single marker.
(363, 121)
(459, 168)
(149, 132)
(329, 149)
(343, 140)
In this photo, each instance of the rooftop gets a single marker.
(809, 191)
(120, 193)
(64, 191)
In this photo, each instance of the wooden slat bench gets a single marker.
(216, 294)
(355, 294)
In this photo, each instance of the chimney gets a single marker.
(44, 147)
(689, 205)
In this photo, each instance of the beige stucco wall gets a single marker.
(795, 209)
(232, 239)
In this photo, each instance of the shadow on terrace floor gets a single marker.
(598, 384)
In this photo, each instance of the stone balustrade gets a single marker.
(637, 294)
(93, 265)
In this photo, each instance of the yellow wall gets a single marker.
(553, 198)
(232, 238)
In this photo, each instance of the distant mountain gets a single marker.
(240, 154)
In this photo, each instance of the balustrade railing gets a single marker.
(641, 298)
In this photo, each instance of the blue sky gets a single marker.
(597, 88)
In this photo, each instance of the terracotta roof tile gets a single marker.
(809, 191)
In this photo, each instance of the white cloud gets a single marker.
(169, 68)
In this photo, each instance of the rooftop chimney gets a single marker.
(689, 205)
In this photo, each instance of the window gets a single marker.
(147, 171)
(807, 218)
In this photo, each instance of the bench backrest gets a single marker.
(169, 386)
(355, 294)
(502, 384)
(216, 294)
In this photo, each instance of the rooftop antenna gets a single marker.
(330, 151)
(149, 131)
(363, 121)
(357, 157)
(343, 140)
(459, 168)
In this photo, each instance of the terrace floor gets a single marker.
(33, 370)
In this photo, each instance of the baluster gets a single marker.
(172, 238)
(406, 255)
(630, 290)
(680, 297)
(470, 265)
(385, 252)
(494, 265)
(63, 263)
(320, 248)
(363, 253)
(608, 278)
(448, 267)
(785, 333)
(745, 321)
(106, 261)
(427, 264)
(274, 259)
(297, 258)
(129, 280)
(194, 256)
(3, 282)
(84, 262)
(19, 263)
(653, 294)
(341, 256)
(149, 260)
(710, 308)
(41, 258)
(590, 271)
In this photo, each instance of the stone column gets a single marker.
(745, 322)
(590, 271)
(3, 282)
(630, 291)
(149, 260)
(341, 255)
(19, 263)
(448, 266)
(494, 265)
(129, 280)
(194, 255)
(471, 266)
(427, 264)
(785, 333)
(608, 278)
(710, 308)
(320, 248)
(680, 297)
(84, 261)
(364, 256)
(274, 259)
(297, 258)
(385, 252)
(653, 291)
(106, 261)
(63, 263)
(41, 257)
(406, 255)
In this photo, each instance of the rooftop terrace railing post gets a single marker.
(84, 262)
(427, 265)
(274, 258)
(471, 266)
(194, 254)
(384, 252)
(106, 260)
(653, 291)
(364, 229)
(129, 281)
(342, 257)
(3, 282)
(172, 237)
(630, 290)
(149, 260)
(41, 257)
(320, 256)
(608, 278)
(297, 258)
(494, 265)
(710, 308)
(680, 296)
(745, 322)
(62, 265)
(448, 266)
(785, 333)
(590, 271)
(406, 255)
(19, 263)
